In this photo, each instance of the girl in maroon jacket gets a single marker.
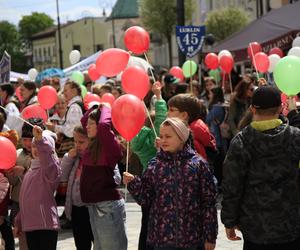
(98, 187)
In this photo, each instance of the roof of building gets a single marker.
(124, 9)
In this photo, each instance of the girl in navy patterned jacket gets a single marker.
(180, 188)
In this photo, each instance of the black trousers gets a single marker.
(42, 239)
(294, 245)
(81, 227)
(144, 230)
(7, 235)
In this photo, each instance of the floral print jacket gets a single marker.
(181, 192)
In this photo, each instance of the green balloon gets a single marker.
(189, 68)
(83, 90)
(287, 75)
(215, 73)
(77, 77)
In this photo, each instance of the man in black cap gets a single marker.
(261, 185)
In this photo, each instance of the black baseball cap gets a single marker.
(266, 97)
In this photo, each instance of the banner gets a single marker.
(190, 39)
(5, 68)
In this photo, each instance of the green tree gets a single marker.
(160, 16)
(32, 24)
(223, 23)
(9, 41)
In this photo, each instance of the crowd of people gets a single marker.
(206, 142)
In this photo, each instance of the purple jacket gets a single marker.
(97, 180)
(38, 210)
(181, 194)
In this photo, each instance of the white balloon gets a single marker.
(224, 52)
(295, 51)
(74, 56)
(296, 42)
(32, 73)
(274, 59)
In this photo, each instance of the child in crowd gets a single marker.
(75, 209)
(98, 186)
(143, 144)
(38, 216)
(179, 188)
(16, 174)
(190, 109)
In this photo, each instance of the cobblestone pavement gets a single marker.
(133, 212)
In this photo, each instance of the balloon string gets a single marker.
(230, 82)
(191, 77)
(152, 124)
(254, 62)
(17, 116)
(127, 160)
(150, 67)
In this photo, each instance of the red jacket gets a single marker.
(202, 137)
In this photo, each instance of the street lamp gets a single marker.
(60, 52)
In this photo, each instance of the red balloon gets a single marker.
(18, 94)
(262, 62)
(135, 81)
(47, 97)
(256, 47)
(88, 98)
(212, 61)
(226, 63)
(93, 73)
(137, 40)
(276, 51)
(108, 97)
(177, 72)
(112, 62)
(34, 111)
(128, 115)
(8, 156)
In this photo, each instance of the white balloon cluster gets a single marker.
(32, 73)
(295, 50)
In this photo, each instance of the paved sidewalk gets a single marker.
(133, 212)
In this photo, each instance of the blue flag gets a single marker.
(5, 68)
(190, 39)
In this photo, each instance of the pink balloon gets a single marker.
(226, 63)
(47, 97)
(128, 115)
(177, 72)
(256, 47)
(112, 62)
(89, 97)
(93, 73)
(135, 81)
(262, 62)
(34, 111)
(8, 156)
(137, 40)
(18, 94)
(276, 51)
(108, 97)
(211, 61)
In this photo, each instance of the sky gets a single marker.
(13, 10)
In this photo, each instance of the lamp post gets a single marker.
(180, 21)
(60, 52)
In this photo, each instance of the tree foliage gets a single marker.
(32, 24)
(160, 16)
(9, 41)
(223, 23)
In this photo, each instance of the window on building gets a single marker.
(49, 51)
(76, 47)
(54, 50)
(40, 52)
(45, 52)
(99, 47)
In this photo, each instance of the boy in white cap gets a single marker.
(179, 188)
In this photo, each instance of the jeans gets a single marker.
(108, 225)
(173, 248)
(41, 239)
